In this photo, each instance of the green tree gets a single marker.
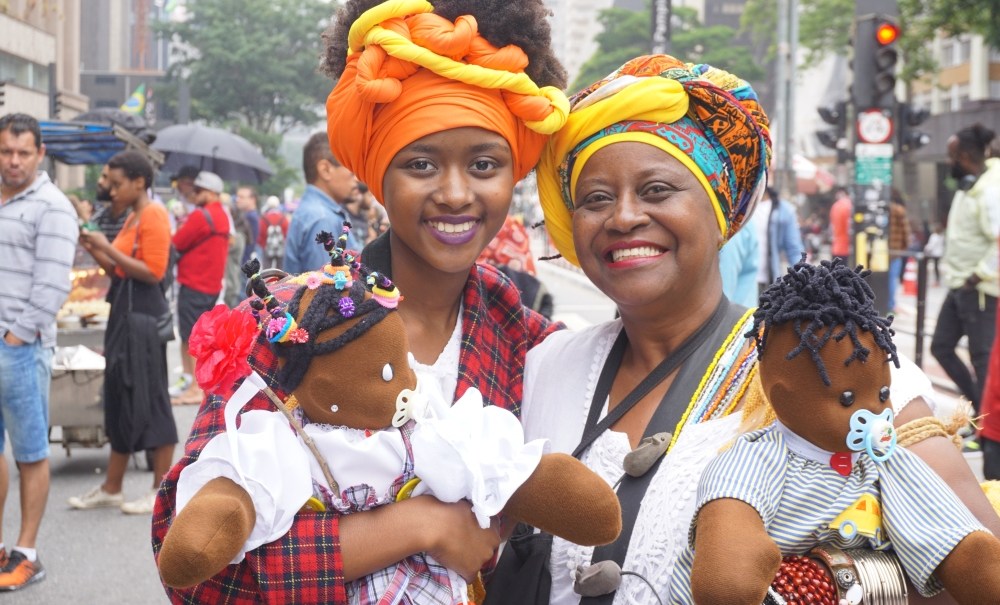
(252, 67)
(825, 27)
(627, 34)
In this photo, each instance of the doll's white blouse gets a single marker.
(560, 378)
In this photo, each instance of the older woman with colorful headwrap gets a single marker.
(440, 109)
(658, 165)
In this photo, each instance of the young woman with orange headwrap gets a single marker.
(440, 109)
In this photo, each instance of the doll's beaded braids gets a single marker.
(337, 299)
(817, 297)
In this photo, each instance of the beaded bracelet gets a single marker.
(830, 576)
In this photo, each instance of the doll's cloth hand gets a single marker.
(474, 452)
(270, 464)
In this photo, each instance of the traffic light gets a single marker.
(874, 63)
(55, 104)
(835, 138)
(3, 92)
(909, 117)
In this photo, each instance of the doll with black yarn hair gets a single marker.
(828, 471)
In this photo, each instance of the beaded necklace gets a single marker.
(724, 381)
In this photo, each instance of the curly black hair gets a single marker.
(815, 297)
(501, 22)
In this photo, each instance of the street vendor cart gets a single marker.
(76, 405)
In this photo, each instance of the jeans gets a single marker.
(25, 376)
(961, 315)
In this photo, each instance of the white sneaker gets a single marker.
(96, 498)
(180, 385)
(140, 506)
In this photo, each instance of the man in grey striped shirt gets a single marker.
(38, 234)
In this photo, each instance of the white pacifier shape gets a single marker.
(410, 405)
(873, 433)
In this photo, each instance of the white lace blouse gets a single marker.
(560, 378)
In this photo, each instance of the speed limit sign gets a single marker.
(874, 126)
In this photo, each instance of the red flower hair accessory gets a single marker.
(220, 342)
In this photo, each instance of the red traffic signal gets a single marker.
(886, 33)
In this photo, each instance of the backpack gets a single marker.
(274, 244)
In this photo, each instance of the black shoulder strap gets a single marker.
(377, 256)
(593, 428)
(208, 219)
(665, 418)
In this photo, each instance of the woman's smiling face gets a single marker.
(447, 195)
(644, 227)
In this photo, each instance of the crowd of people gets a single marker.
(653, 181)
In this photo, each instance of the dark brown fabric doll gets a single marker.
(828, 471)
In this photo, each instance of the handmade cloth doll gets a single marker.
(828, 471)
(356, 433)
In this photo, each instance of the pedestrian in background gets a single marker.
(246, 206)
(776, 224)
(137, 414)
(330, 186)
(359, 209)
(183, 201)
(840, 224)
(970, 262)
(935, 250)
(510, 252)
(899, 242)
(37, 245)
(109, 217)
(739, 264)
(203, 243)
(272, 235)
(233, 278)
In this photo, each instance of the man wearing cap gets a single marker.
(203, 243)
(180, 205)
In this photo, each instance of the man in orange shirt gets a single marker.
(840, 224)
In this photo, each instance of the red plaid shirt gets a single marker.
(305, 565)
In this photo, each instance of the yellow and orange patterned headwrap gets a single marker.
(706, 118)
(411, 73)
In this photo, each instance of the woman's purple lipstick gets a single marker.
(453, 230)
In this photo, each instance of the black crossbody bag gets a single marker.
(165, 319)
(522, 575)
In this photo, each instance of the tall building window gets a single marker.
(24, 73)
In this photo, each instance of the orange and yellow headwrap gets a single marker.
(411, 73)
(706, 118)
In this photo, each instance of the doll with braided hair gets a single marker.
(357, 432)
(828, 471)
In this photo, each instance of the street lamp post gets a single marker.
(662, 13)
